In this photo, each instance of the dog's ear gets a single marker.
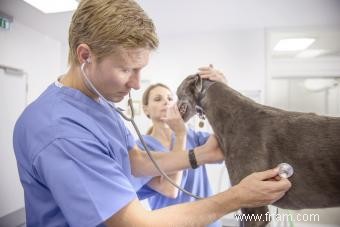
(198, 83)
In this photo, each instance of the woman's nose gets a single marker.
(166, 102)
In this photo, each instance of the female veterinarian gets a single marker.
(75, 156)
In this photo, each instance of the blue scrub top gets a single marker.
(193, 180)
(72, 155)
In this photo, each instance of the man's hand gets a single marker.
(259, 189)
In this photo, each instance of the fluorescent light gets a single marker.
(53, 6)
(317, 85)
(310, 53)
(293, 44)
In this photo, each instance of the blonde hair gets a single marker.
(105, 24)
(146, 96)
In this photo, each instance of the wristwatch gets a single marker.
(192, 159)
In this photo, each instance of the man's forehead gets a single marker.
(135, 54)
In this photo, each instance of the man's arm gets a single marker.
(253, 191)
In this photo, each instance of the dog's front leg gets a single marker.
(254, 217)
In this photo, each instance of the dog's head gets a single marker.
(188, 93)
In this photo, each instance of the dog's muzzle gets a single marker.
(183, 107)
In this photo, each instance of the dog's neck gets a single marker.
(201, 94)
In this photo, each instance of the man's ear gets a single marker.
(83, 53)
(198, 83)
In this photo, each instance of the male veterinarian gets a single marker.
(75, 156)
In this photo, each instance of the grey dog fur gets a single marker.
(255, 137)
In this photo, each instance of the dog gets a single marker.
(255, 137)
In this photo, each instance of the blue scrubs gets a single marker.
(72, 155)
(195, 181)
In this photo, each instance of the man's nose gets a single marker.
(134, 81)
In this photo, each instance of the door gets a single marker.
(12, 102)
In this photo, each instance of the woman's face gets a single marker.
(159, 100)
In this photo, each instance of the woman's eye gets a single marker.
(170, 99)
(126, 70)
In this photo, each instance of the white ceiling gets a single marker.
(195, 16)
(327, 39)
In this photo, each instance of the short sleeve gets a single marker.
(200, 137)
(146, 192)
(87, 183)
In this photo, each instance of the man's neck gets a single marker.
(74, 79)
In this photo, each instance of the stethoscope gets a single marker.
(285, 170)
(131, 119)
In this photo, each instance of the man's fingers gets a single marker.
(266, 175)
(279, 186)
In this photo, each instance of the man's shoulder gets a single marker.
(48, 118)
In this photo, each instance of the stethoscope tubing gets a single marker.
(131, 119)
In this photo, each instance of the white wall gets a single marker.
(239, 54)
(39, 56)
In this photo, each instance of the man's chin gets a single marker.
(116, 99)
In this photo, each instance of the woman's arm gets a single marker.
(171, 162)
(159, 183)
(178, 159)
(164, 187)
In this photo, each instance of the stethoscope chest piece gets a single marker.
(285, 170)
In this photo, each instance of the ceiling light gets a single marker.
(317, 85)
(310, 53)
(293, 44)
(53, 6)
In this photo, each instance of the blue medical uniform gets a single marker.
(72, 155)
(193, 180)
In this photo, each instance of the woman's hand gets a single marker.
(211, 74)
(174, 120)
